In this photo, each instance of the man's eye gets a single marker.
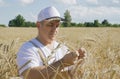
(49, 24)
(53, 24)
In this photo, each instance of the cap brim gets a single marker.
(62, 19)
(55, 18)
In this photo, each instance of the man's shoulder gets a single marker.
(26, 48)
(27, 44)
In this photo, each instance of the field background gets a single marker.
(102, 44)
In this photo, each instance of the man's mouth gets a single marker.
(52, 34)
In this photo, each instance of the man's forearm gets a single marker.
(45, 72)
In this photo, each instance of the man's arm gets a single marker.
(43, 72)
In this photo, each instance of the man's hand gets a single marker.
(69, 58)
(81, 52)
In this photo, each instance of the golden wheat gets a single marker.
(102, 59)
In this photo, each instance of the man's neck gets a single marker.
(49, 45)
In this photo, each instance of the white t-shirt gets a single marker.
(28, 56)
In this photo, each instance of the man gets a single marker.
(42, 57)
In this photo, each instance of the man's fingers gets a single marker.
(81, 53)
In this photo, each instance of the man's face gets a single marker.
(48, 29)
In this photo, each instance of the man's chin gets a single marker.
(52, 38)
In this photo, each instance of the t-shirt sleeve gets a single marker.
(26, 58)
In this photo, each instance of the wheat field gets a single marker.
(102, 59)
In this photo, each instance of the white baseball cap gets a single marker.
(49, 13)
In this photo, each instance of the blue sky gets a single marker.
(80, 10)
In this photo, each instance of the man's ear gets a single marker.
(38, 24)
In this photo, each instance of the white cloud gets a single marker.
(1, 3)
(67, 1)
(92, 1)
(24, 2)
(83, 13)
(116, 1)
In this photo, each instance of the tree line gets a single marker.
(19, 21)
(96, 23)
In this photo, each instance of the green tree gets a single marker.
(88, 24)
(80, 25)
(73, 24)
(105, 22)
(96, 23)
(18, 21)
(116, 25)
(12, 23)
(29, 24)
(2, 25)
(67, 18)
